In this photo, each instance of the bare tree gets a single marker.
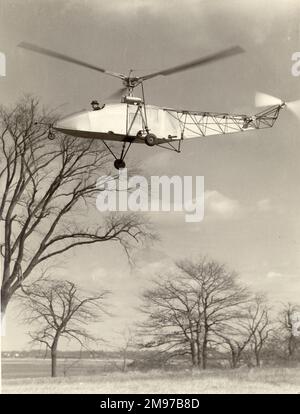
(260, 325)
(60, 310)
(185, 310)
(127, 343)
(170, 325)
(217, 294)
(248, 329)
(287, 319)
(47, 188)
(235, 337)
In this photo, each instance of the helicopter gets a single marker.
(133, 121)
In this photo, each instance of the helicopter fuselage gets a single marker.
(121, 122)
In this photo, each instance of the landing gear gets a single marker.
(143, 135)
(150, 140)
(119, 164)
(51, 135)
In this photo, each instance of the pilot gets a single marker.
(96, 106)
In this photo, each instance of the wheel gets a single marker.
(51, 136)
(119, 164)
(150, 140)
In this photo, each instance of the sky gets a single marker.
(252, 190)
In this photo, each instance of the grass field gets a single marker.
(245, 381)
(38, 367)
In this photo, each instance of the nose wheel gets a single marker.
(119, 164)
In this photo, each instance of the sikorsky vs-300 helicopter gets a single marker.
(134, 121)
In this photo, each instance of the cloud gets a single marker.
(149, 255)
(273, 275)
(219, 206)
(99, 273)
(158, 161)
(278, 275)
(152, 6)
(264, 205)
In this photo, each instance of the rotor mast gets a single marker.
(130, 82)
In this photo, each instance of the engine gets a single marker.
(131, 100)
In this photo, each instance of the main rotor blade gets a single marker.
(117, 94)
(202, 61)
(47, 52)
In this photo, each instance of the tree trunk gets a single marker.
(199, 356)
(257, 358)
(204, 352)
(124, 365)
(234, 360)
(291, 347)
(193, 353)
(54, 358)
(5, 297)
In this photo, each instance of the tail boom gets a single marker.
(201, 124)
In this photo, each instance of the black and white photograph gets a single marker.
(150, 199)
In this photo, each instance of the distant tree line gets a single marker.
(199, 315)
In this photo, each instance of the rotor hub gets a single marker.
(131, 82)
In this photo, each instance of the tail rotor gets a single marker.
(263, 99)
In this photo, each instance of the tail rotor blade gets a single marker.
(294, 107)
(263, 99)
